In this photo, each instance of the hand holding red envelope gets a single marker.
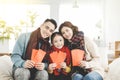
(37, 55)
(77, 56)
(58, 57)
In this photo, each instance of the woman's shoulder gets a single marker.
(87, 39)
(80, 33)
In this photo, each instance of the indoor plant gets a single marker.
(8, 35)
(8, 32)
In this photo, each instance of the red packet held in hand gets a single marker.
(58, 57)
(37, 55)
(77, 56)
(53, 56)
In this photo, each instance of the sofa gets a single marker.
(112, 70)
(5, 68)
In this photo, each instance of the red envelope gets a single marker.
(58, 57)
(53, 56)
(37, 55)
(77, 56)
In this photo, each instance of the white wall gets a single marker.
(111, 10)
(112, 20)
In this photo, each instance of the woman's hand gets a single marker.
(63, 65)
(40, 66)
(29, 64)
(52, 66)
(83, 64)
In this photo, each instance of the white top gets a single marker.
(93, 57)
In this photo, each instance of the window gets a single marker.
(24, 15)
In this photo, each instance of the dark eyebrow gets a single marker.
(49, 28)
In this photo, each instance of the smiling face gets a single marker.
(67, 32)
(47, 29)
(58, 41)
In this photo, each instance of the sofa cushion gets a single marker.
(5, 68)
(114, 70)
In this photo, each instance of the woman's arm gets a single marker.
(92, 54)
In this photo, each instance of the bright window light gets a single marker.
(13, 14)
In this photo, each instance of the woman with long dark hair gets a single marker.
(90, 67)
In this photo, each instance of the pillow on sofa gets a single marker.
(5, 68)
(114, 70)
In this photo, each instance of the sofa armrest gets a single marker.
(5, 68)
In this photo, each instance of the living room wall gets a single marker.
(112, 20)
(111, 14)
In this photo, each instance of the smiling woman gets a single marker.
(86, 16)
